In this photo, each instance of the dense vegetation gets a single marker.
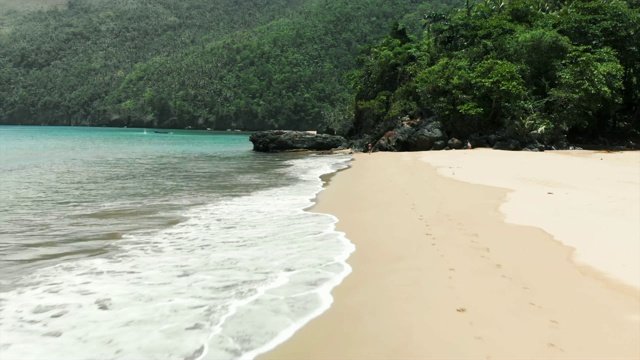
(541, 68)
(248, 64)
(534, 68)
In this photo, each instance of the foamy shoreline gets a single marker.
(439, 274)
(193, 290)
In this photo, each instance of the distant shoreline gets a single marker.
(613, 145)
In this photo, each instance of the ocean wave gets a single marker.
(232, 280)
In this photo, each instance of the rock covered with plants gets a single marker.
(507, 74)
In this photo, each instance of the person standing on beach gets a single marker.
(369, 148)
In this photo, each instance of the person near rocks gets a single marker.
(369, 148)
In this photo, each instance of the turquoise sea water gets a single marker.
(125, 243)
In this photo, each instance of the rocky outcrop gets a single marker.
(430, 134)
(427, 136)
(406, 135)
(534, 146)
(283, 140)
(509, 144)
(414, 135)
(454, 143)
(396, 140)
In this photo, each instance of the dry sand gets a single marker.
(438, 273)
(587, 200)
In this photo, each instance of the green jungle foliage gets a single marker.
(247, 64)
(28, 5)
(535, 68)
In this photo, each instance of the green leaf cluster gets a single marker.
(534, 68)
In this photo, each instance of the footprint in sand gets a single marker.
(482, 248)
(554, 346)
(535, 305)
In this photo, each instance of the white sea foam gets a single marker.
(233, 280)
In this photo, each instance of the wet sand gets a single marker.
(439, 273)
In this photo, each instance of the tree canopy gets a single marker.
(532, 67)
(248, 64)
(546, 68)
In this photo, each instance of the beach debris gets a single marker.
(461, 310)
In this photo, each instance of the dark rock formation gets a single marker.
(413, 135)
(282, 140)
(478, 141)
(509, 144)
(439, 145)
(498, 137)
(396, 140)
(405, 134)
(359, 144)
(454, 143)
(563, 145)
(533, 146)
(426, 136)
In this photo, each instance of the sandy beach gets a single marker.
(482, 254)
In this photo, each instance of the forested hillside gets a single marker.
(535, 69)
(249, 64)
